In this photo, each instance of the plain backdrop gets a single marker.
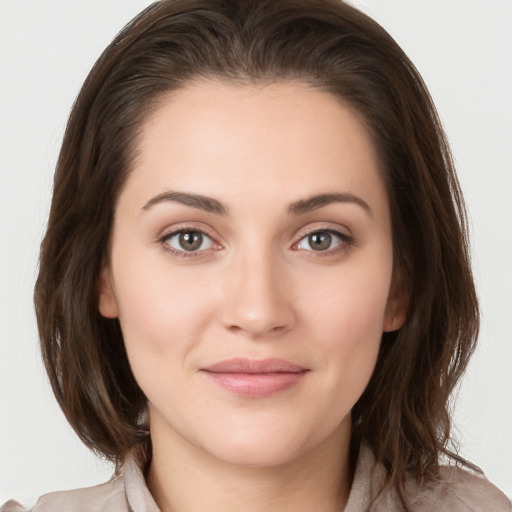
(463, 48)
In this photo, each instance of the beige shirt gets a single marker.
(458, 491)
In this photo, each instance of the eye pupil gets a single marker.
(191, 240)
(320, 241)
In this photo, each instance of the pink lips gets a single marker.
(252, 378)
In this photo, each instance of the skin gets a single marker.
(256, 287)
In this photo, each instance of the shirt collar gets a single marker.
(368, 481)
(137, 493)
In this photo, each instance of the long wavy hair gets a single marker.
(403, 415)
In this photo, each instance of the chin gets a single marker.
(260, 455)
(262, 444)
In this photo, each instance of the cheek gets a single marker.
(161, 312)
(348, 322)
(351, 303)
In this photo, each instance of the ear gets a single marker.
(396, 307)
(107, 303)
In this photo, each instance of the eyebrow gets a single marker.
(318, 201)
(210, 205)
(204, 203)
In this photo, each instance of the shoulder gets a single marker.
(109, 496)
(455, 490)
(458, 490)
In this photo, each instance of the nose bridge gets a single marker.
(256, 299)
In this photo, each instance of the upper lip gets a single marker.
(255, 366)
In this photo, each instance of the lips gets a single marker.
(253, 378)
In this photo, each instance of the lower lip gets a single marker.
(256, 385)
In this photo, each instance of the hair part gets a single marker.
(403, 414)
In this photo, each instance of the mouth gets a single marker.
(251, 378)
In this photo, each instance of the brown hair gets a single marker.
(403, 414)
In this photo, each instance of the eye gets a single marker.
(322, 241)
(188, 241)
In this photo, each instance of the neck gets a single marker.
(183, 478)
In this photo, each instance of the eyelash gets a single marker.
(164, 239)
(345, 241)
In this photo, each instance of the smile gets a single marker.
(255, 378)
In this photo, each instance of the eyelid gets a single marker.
(330, 227)
(346, 239)
(169, 232)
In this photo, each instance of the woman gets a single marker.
(257, 205)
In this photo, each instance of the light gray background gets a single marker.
(463, 48)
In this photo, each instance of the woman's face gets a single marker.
(251, 269)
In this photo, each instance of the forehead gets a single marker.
(288, 139)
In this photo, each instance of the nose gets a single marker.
(257, 300)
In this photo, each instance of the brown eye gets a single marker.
(320, 241)
(188, 241)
